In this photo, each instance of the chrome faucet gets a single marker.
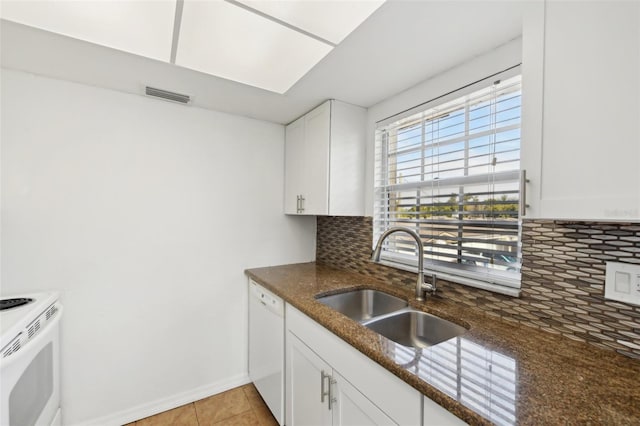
(421, 286)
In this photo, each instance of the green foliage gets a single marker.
(470, 207)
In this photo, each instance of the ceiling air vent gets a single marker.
(166, 95)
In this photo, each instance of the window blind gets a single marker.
(451, 173)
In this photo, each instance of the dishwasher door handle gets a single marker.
(268, 300)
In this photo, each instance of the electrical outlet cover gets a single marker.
(623, 283)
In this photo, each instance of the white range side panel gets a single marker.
(591, 135)
(346, 170)
(144, 215)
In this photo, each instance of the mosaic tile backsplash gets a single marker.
(563, 275)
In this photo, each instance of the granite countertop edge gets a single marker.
(300, 285)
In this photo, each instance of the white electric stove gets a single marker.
(30, 359)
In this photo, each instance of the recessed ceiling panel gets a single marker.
(330, 19)
(228, 41)
(141, 27)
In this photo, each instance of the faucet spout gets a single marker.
(421, 287)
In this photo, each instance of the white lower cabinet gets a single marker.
(331, 383)
(305, 404)
(353, 408)
(319, 395)
(435, 415)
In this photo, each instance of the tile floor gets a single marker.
(236, 407)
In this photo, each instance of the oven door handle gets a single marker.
(6, 362)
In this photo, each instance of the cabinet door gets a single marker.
(294, 158)
(435, 415)
(353, 408)
(591, 135)
(316, 165)
(305, 382)
(399, 401)
(347, 152)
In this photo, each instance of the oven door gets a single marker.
(31, 380)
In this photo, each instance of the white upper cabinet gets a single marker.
(294, 156)
(581, 109)
(324, 161)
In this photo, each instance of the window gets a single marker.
(451, 172)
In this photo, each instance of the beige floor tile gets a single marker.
(245, 419)
(222, 406)
(254, 398)
(264, 416)
(259, 407)
(249, 389)
(181, 416)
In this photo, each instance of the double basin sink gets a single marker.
(392, 318)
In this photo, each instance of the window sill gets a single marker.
(469, 282)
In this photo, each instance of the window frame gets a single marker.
(505, 282)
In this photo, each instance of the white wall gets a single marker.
(143, 214)
(482, 66)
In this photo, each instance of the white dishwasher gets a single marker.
(266, 347)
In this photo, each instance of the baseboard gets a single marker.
(158, 406)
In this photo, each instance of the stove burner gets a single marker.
(13, 303)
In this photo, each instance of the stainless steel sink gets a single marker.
(415, 329)
(391, 317)
(362, 305)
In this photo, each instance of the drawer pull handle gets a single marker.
(523, 193)
(324, 392)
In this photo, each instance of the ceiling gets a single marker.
(266, 44)
(399, 45)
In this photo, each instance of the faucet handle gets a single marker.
(432, 286)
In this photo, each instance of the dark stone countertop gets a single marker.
(498, 372)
